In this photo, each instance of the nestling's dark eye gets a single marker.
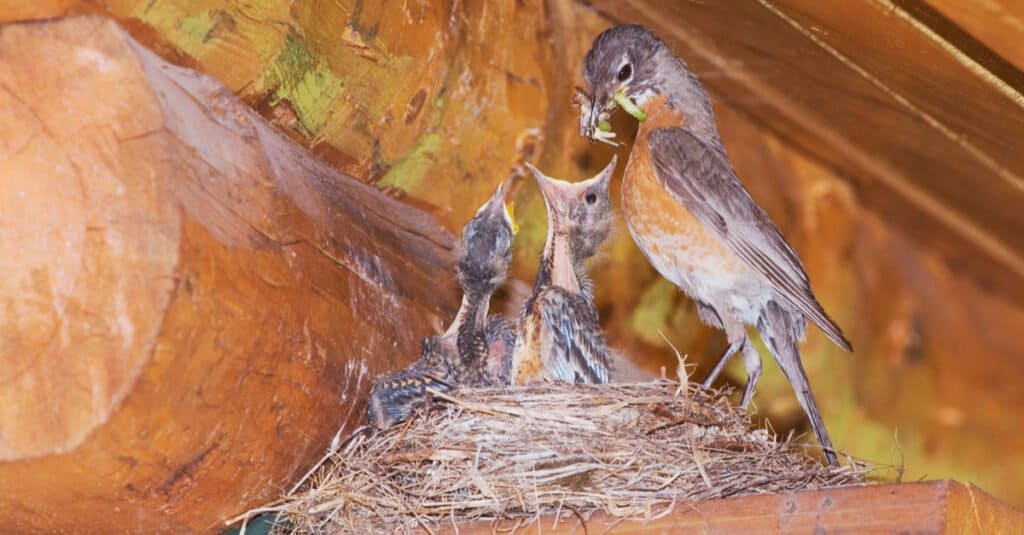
(625, 72)
(591, 198)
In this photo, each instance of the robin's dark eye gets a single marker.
(591, 198)
(625, 72)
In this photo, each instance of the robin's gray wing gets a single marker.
(702, 179)
(578, 351)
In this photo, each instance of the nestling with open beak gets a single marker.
(692, 217)
(560, 337)
(475, 350)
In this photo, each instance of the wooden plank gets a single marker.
(16, 10)
(972, 510)
(928, 141)
(930, 79)
(999, 25)
(931, 507)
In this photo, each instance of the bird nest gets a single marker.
(514, 454)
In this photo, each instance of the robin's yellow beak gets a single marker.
(510, 216)
(628, 105)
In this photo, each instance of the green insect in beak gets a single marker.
(628, 106)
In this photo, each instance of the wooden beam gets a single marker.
(15, 10)
(191, 304)
(932, 507)
(998, 25)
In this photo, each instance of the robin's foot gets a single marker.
(752, 363)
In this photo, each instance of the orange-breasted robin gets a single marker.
(560, 337)
(475, 350)
(693, 218)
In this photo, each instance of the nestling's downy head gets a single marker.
(486, 249)
(580, 211)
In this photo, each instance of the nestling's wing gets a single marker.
(701, 178)
(577, 352)
(396, 396)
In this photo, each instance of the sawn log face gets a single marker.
(190, 305)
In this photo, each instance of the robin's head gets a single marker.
(581, 211)
(486, 250)
(624, 68)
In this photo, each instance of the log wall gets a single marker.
(192, 306)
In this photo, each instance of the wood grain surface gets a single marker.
(192, 305)
(938, 507)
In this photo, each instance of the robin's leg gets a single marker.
(733, 348)
(710, 316)
(752, 363)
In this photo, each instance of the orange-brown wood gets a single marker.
(940, 507)
(191, 304)
(970, 509)
(997, 25)
(16, 10)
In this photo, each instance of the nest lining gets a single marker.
(629, 450)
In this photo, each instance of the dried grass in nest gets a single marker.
(630, 450)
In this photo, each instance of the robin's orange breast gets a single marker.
(676, 243)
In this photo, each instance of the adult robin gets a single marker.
(692, 217)
(560, 337)
(475, 350)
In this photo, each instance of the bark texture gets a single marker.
(191, 304)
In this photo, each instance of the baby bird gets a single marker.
(484, 343)
(475, 350)
(560, 338)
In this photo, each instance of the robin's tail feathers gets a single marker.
(809, 307)
(779, 329)
(829, 327)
